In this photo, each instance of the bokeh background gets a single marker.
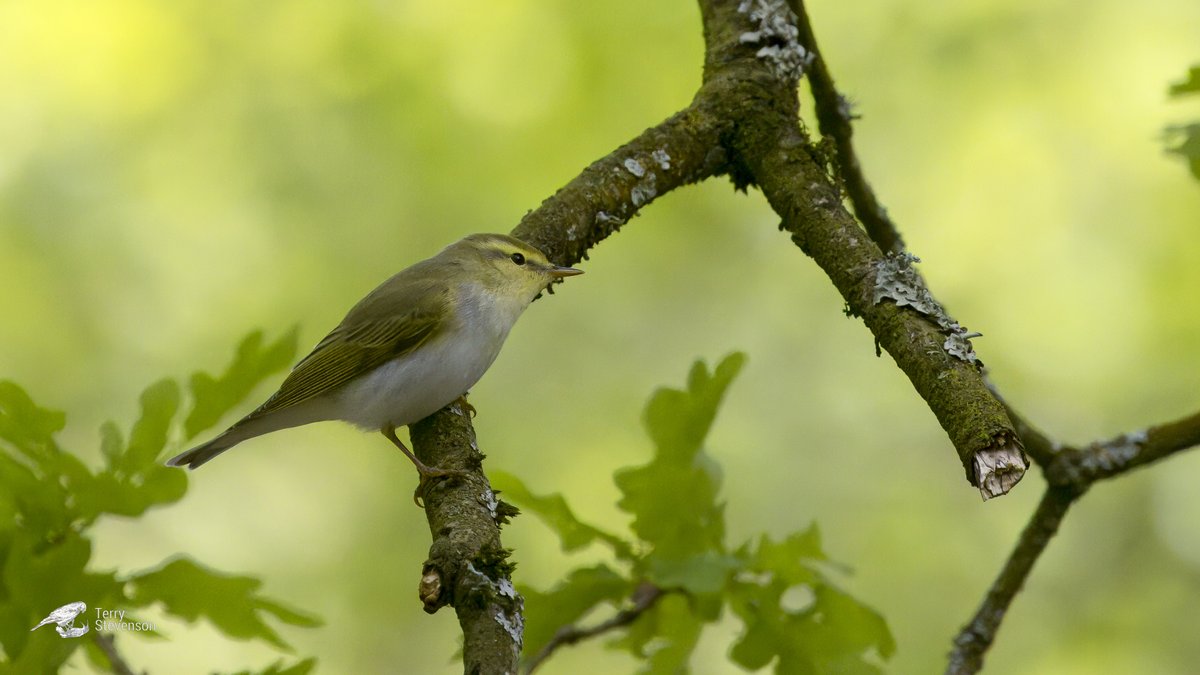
(175, 174)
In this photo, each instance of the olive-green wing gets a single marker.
(347, 353)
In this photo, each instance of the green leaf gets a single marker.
(1187, 145)
(23, 423)
(111, 493)
(39, 501)
(288, 615)
(674, 507)
(673, 498)
(49, 499)
(664, 636)
(45, 653)
(836, 634)
(552, 509)
(582, 591)
(848, 627)
(278, 668)
(111, 442)
(678, 421)
(231, 603)
(700, 574)
(786, 559)
(1189, 86)
(134, 480)
(160, 402)
(253, 363)
(39, 576)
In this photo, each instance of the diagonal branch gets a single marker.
(645, 597)
(1080, 467)
(977, 636)
(1070, 473)
(683, 149)
(833, 117)
(768, 145)
(108, 645)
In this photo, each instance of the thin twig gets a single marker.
(977, 636)
(1080, 467)
(644, 598)
(108, 645)
(1071, 472)
(833, 119)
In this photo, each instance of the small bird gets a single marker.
(64, 620)
(409, 348)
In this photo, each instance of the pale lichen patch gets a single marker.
(1113, 454)
(488, 498)
(513, 625)
(898, 281)
(662, 158)
(645, 190)
(776, 32)
(604, 218)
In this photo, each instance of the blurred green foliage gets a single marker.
(50, 500)
(679, 547)
(1186, 137)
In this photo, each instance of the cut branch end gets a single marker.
(998, 469)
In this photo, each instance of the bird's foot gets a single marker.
(461, 401)
(429, 475)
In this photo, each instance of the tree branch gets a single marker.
(768, 146)
(743, 122)
(644, 598)
(977, 636)
(1070, 472)
(467, 566)
(833, 119)
(1080, 467)
(1038, 445)
(683, 149)
(108, 645)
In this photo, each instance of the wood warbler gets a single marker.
(412, 346)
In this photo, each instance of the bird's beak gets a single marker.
(561, 272)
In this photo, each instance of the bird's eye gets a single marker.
(518, 258)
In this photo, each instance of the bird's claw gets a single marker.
(465, 406)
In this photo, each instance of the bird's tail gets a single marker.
(248, 427)
(202, 453)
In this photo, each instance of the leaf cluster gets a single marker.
(50, 499)
(791, 614)
(1184, 139)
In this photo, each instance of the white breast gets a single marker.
(415, 386)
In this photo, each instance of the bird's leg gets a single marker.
(427, 473)
(465, 406)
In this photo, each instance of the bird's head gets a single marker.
(505, 266)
